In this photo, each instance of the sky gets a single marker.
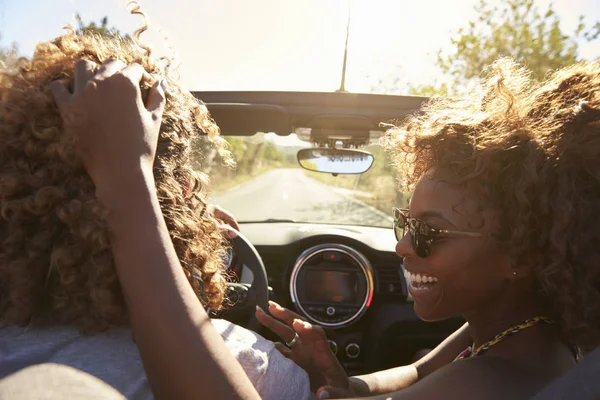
(294, 45)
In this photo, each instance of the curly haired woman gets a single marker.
(505, 189)
(60, 296)
(501, 228)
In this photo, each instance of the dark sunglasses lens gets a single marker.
(399, 224)
(418, 233)
(421, 239)
(421, 245)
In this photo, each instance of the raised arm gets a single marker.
(184, 356)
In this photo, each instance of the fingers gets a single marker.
(60, 93)
(226, 217)
(157, 99)
(135, 72)
(84, 72)
(228, 231)
(109, 68)
(285, 332)
(330, 392)
(284, 350)
(310, 333)
(283, 314)
(230, 226)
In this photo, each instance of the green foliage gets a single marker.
(377, 187)
(429, 90)
(593, 32)
(271, 152)
(396, 86)
(508, 28)
(252, 154)
(516, 29)
(101, 29)
(9, 56)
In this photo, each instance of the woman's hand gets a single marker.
(310, 351)
(229, 223)
(116, 137)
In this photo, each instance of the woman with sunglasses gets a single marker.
(501, 229)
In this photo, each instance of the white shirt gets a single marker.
(113, 357)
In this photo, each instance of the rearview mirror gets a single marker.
(335, 161)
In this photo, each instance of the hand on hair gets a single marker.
(116, 132)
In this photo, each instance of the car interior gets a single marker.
(343, 276)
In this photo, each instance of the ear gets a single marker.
(506, 267)
(525, 267)
(522, 271)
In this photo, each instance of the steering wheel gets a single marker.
(243, 297)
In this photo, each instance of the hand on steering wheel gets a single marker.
(308, 347)
(246, 296)
(229, 223)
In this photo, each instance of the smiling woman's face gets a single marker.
(471, 272)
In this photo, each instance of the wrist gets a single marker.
(125, 189)
(358, 386)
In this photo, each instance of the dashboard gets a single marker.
(332, 285)
(349, 280)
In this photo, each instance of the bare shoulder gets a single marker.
(478, 378)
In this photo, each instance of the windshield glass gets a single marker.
(424, 48)
(268, 184)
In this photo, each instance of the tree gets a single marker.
(9, 56)
(397, 85)
(102, 29)
(513, 28)
(429, 90)
(516, 29)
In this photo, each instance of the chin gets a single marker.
(431, 314)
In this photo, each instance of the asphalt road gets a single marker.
(291, 195)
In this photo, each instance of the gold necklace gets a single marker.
(528, 323)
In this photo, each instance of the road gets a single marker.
(290, 194)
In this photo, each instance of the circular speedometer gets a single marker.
(332, 285)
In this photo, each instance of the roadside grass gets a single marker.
(377, 190)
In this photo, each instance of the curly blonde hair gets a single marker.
(532, 152)
(56, 265)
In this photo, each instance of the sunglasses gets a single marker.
(422, 234)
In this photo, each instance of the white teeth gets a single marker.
(419, 278)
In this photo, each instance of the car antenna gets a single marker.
(342, 88)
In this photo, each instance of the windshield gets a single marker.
(269, 185)
(425, 48)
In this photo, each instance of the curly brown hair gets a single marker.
(531, 151)
(56, 264)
